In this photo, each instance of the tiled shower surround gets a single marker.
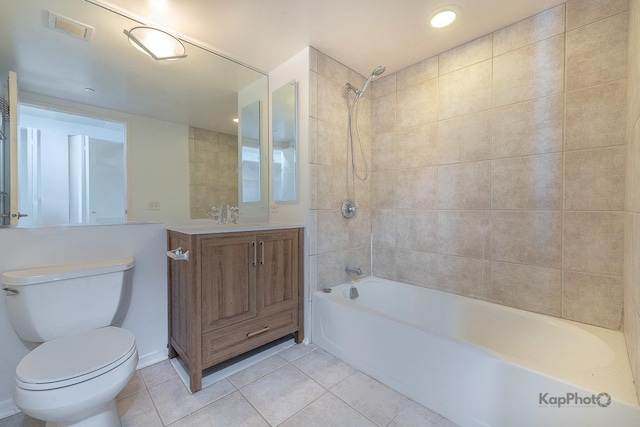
(632, 205)
(498, 167)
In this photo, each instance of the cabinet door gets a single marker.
(228, 277)
(277, 270)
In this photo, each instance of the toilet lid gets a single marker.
(75, 358)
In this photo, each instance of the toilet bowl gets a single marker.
(73, 381)
(74, 376)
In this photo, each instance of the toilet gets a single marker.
(73, 377)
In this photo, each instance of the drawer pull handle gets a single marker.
(261, 331)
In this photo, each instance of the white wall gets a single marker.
(158, 170)
(296, 68)
(147, 316)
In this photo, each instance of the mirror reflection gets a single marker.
(71, 168)
(175, 113)
(284, 154)
(250, 152)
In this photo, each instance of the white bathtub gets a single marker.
(478, 363)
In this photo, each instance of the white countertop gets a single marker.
(208, 226)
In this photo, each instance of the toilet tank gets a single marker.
(50, 302)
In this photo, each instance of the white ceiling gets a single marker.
(359, 33)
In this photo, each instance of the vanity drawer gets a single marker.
(236, 339)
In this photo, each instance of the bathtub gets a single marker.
(478, 363)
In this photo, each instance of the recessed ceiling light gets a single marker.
(159, 5)
(237, 120)
(444, 16)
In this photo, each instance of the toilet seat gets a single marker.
(75, 358)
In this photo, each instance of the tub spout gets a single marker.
(354, 270)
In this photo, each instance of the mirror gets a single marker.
(250, 153)
(284, 152)
(181, 144)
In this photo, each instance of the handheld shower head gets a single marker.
(353, 111)
(378, 70)
(375, 73)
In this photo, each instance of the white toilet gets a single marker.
(73, 377)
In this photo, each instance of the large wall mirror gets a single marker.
(181, 152)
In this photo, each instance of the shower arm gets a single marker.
(360, 92)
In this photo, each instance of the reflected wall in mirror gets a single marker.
(250, 153)
(164, 105)
(71, 169)
(284, 153)
(213, 158)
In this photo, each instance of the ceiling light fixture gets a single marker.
(158, 44)
(444, 16)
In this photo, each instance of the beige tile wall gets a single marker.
(334, 240)
(632, 200)
(497, 167)
(213, 170)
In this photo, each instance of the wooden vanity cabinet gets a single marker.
(237, 291)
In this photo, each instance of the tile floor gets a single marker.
(301, 386)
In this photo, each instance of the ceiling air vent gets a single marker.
(70, 27)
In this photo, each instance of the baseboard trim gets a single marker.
(7, 409)
(152, 358)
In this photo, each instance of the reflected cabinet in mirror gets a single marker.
(160, 138)
(284, 153)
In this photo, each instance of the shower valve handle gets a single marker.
(348, 209)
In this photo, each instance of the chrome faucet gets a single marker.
(354, 270)
(225, 215)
